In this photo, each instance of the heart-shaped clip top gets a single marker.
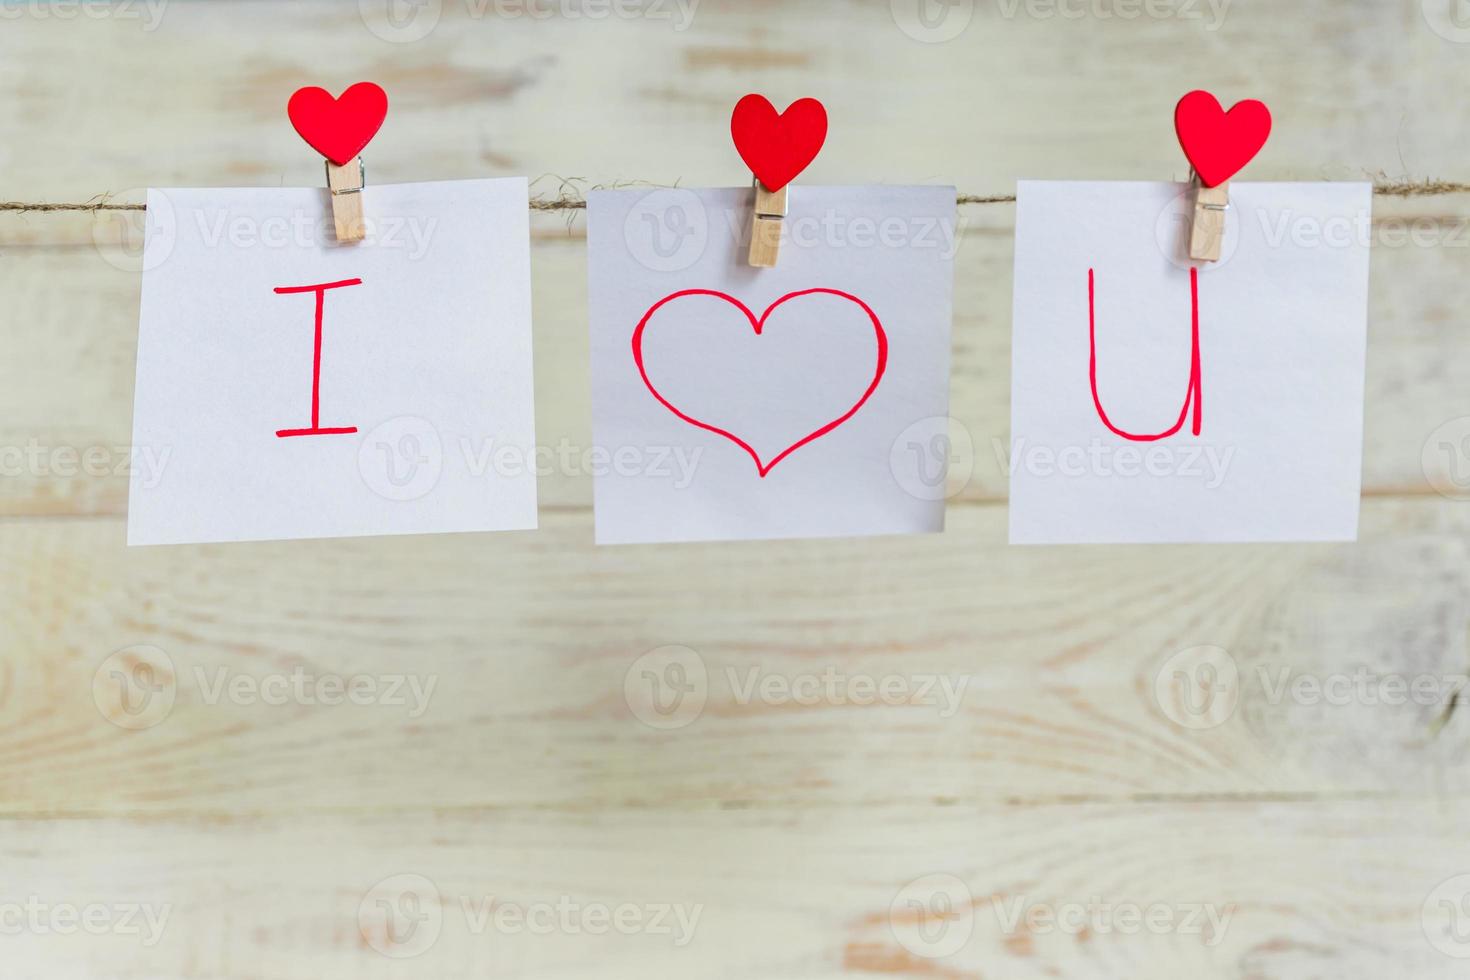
(777, 147)
(1219, 143)
(338, 128)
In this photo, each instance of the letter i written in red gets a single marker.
(316, 429)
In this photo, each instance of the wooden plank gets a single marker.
(618, 97)
(532, 669)
(1289, 891)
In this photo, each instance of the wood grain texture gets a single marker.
(794, 893)
(1017, 675)
(1157, 726)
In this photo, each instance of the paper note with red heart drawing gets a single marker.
(1155, 399)
(806, 400)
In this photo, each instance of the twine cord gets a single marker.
(566, 202)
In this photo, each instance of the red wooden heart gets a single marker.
(778, 146)
(338, 128)
(1219, 143)
(763, 468)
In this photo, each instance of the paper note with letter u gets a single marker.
(736, 402)
(1155, 399)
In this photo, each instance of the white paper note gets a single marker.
(1252, 433)
(803, 400)
(404, 413)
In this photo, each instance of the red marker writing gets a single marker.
(316, 361)
(1192, 396)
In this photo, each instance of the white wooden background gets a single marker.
(810, 838)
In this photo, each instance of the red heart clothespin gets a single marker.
(776, 147)
(339, 129)
(1218, 144)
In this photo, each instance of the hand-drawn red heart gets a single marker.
(758, 324)
(1219, 143)
(778, 147)
(338, 128)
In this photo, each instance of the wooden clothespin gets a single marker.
(1218, 144)
(766, 223)
(1207, 227)
(346, 184)
(777, 147)
(339, 129)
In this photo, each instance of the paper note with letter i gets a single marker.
(302, 387)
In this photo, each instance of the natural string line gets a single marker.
(1394, 188)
